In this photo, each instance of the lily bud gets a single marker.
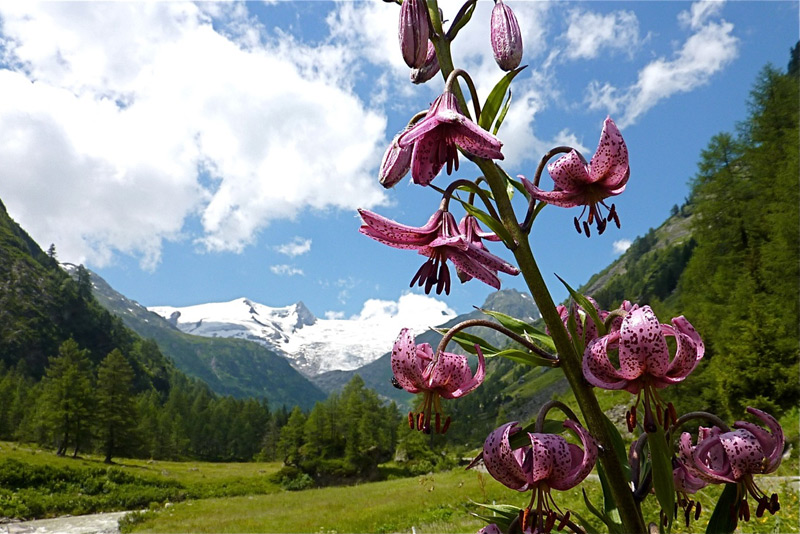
(506, 37)
(429, 69)
(413, 32)
(395, 164)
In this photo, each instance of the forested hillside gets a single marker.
(74, 378)
(729, 259)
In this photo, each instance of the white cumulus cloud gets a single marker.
(621, 245)
(286, 270)
(707, 51)
(120, 122)
(296, 247)
(589, 33)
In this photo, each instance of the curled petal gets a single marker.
(597, 368)
(396, 234)
(772, 443)
(563, 199)
(582, 462)
(569, 172)
(685, 481)
(500, 460)
(476, 141)
(744, 452)
(466, 383)
(642, 347)
(711, 461)
(409, 361)
(610, 162)
(491, 528)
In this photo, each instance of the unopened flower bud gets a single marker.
(506, 37)
(413, 32)
(429, 69)
(395, 164)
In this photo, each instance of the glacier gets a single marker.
(311, 344)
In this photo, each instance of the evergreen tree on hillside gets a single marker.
(116, 412)
(67, 397)
(741, 285)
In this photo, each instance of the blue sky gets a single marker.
(193, 153)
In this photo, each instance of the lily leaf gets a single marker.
(495, 99)
(502, 115)
(518, 326)
(468, 342)
(619, 446)
(661, 458)
(610, 510)
(587, 306)
(585, 524)
(516, 184)
(493, 224)
(722, 520)
(462, 18)
(528, 358)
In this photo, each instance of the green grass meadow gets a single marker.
(242, 497)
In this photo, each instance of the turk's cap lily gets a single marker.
(506, 37)
(413, 32)
(643, 353)
(439, 240)
(730, 456)
(578, 183)
(438, 136)
(549, 461)
(428, 69)
(416, 370)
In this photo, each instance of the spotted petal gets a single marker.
(771, 442)
(399, 235)
(689, 351)
(609, 164)
(451, 377)
(642, 347)
(500, 460)
(409, 361)
(581, 461)
(744, 452)
(569, 172)
(597, 368)
(563, 199)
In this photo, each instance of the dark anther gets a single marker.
(673, 415)
(411, 420)
(658, 414)
(762, 506)
(525, 513)
(564, 521)
(550, 521)
(446, 425)
(420, 421)
(586, 229)
(774, 505)
(577, 225)
(697, 511)
(744, 510)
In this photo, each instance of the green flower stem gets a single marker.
(629, 511)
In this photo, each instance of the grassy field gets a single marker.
(240, 497)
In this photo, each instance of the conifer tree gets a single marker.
(116, 411)
(67, 397)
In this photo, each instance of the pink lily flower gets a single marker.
(438, 136)
(735, 456)
(578, 183)
(395, 164)
(644, 359)
(417, 371)
(439, 240)
(549, 462)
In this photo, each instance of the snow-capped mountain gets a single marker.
(312, 345)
